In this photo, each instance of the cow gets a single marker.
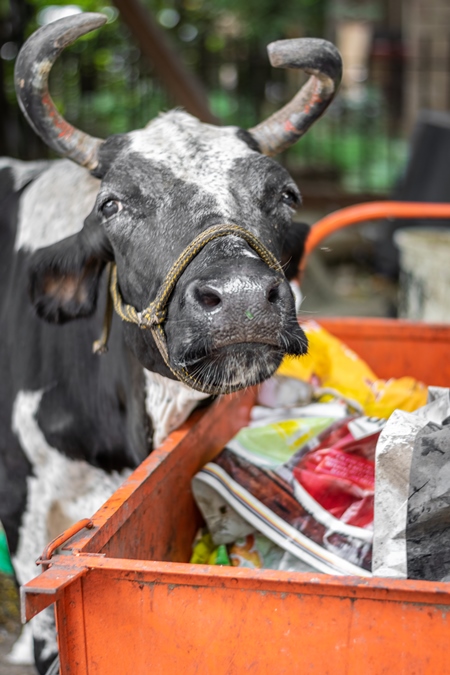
(183, 229)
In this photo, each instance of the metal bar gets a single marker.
(176, 573)
(372, 211)
(61, 539)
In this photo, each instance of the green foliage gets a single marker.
(4, 8)
(268, 20)
(104, 85)
(364, 159)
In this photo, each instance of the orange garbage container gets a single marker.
(128, 602)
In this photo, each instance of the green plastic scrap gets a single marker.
(5, 561)
(207, 553)
(222, 555)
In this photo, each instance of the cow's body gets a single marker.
(74, 424)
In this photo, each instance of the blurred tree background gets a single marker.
(105, 84)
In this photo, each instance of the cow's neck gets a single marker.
(168, 403)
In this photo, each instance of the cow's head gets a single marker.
(231, 316)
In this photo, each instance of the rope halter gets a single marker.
(153, 316)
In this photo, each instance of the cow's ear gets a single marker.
(64, 277)
(294, 248)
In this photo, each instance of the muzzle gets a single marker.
(152, 317)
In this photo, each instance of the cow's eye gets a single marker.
(111, 207)
(290, 198)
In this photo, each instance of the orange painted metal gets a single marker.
(128, 602)
(133, 605)
(372, 211)
(51, 583)
(173, 617)
(158, 486)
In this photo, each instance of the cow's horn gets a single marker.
(322, 61)
(33, 66)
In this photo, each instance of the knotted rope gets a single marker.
(153, 316)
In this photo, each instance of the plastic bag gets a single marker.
(341, 482)
(238, 496)
(331, 364)
(273, 444)
(412, 493)
(267, 503)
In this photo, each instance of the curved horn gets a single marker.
(33, 66)
(322, 61)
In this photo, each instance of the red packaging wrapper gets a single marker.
(340, 475)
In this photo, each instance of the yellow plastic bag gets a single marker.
(331, 364)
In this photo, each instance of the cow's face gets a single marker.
(231, 318)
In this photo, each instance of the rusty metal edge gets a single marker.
(119, 507)
(44, 589)
(48, 587)
(371, 211)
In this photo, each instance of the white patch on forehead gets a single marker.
(197, 153)
(168, 403)
(55, 205)
(60, 491)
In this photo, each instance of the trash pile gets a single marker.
(338, 472)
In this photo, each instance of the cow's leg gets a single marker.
(45, 642)
(54, 668)
(60, 491)
(26, 537)
(14, 469)
(37, 643)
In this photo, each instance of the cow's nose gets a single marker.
(207, 297)
(262, 292)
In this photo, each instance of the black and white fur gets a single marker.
(72, 424)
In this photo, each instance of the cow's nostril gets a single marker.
(273, 295)
(207, 298)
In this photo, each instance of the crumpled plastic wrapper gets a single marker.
(330, 366)
(412, 493)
